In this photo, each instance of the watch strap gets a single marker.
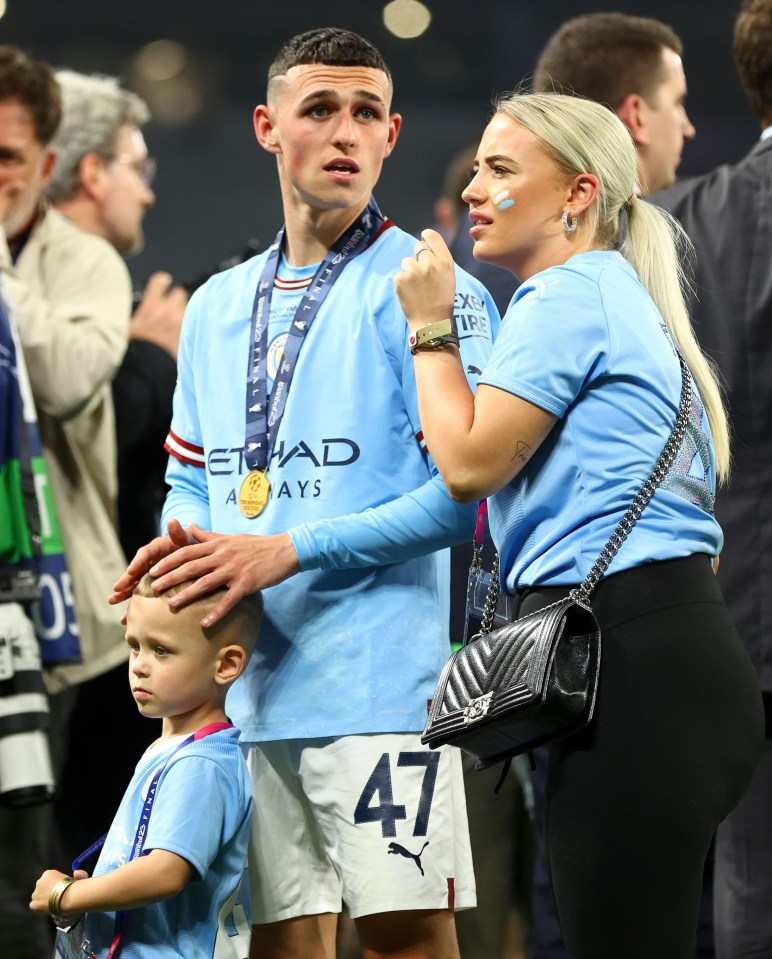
(433, 335)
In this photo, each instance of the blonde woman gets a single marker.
(572, 411)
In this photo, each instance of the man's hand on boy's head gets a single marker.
(146, 557)
(243, 563)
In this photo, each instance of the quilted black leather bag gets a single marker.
(511, 689)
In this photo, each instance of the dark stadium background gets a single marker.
(215, 188)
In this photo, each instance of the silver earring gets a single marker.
(569, 227)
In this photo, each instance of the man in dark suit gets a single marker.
(728, 215)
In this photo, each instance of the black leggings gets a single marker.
(633, 801)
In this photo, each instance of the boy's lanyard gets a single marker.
(141, 833)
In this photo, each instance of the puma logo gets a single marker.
(543, 286)
(396, 850)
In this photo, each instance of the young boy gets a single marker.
(176, 851)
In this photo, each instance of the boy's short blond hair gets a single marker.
(240, 625)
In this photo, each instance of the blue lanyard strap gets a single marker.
(141, 832)
(264, 413)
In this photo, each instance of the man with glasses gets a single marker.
(71, 298)
(102, 183)
(103, 174)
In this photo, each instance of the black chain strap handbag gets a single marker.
(511, 689)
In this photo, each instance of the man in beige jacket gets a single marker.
(102, 182)
(71, 297)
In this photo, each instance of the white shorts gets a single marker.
(377, 822)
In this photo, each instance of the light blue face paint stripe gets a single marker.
(503, 201)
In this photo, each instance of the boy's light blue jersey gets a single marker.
(585, 342)
(202, 813)
(354, 643)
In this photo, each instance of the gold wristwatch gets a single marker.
(433, 335)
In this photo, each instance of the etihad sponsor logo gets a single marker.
(328, 452)
(297, 489)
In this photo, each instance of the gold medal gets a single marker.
(254, 493)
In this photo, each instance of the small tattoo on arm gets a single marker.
(521, 452)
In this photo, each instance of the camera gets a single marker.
(26, 775)
(18, 583)
(251, 247)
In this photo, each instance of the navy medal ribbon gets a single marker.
(263, 412)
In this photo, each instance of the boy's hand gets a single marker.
(139, 882)
(43, 887)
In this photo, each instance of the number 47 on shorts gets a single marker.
(379, 785)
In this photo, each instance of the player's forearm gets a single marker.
(412, 525)
(142, 881)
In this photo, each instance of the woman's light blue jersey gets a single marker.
(585, 342)
(354, 643)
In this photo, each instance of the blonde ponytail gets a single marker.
(656, 246)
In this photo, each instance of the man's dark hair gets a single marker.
(32, 83)
(332, 46)
(752, 48)
(606, 57)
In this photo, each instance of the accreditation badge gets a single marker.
(254, 493)
(71, 943)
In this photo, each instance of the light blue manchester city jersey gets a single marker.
(355, 642)
(585, 342)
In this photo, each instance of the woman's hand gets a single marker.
(426, 284)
